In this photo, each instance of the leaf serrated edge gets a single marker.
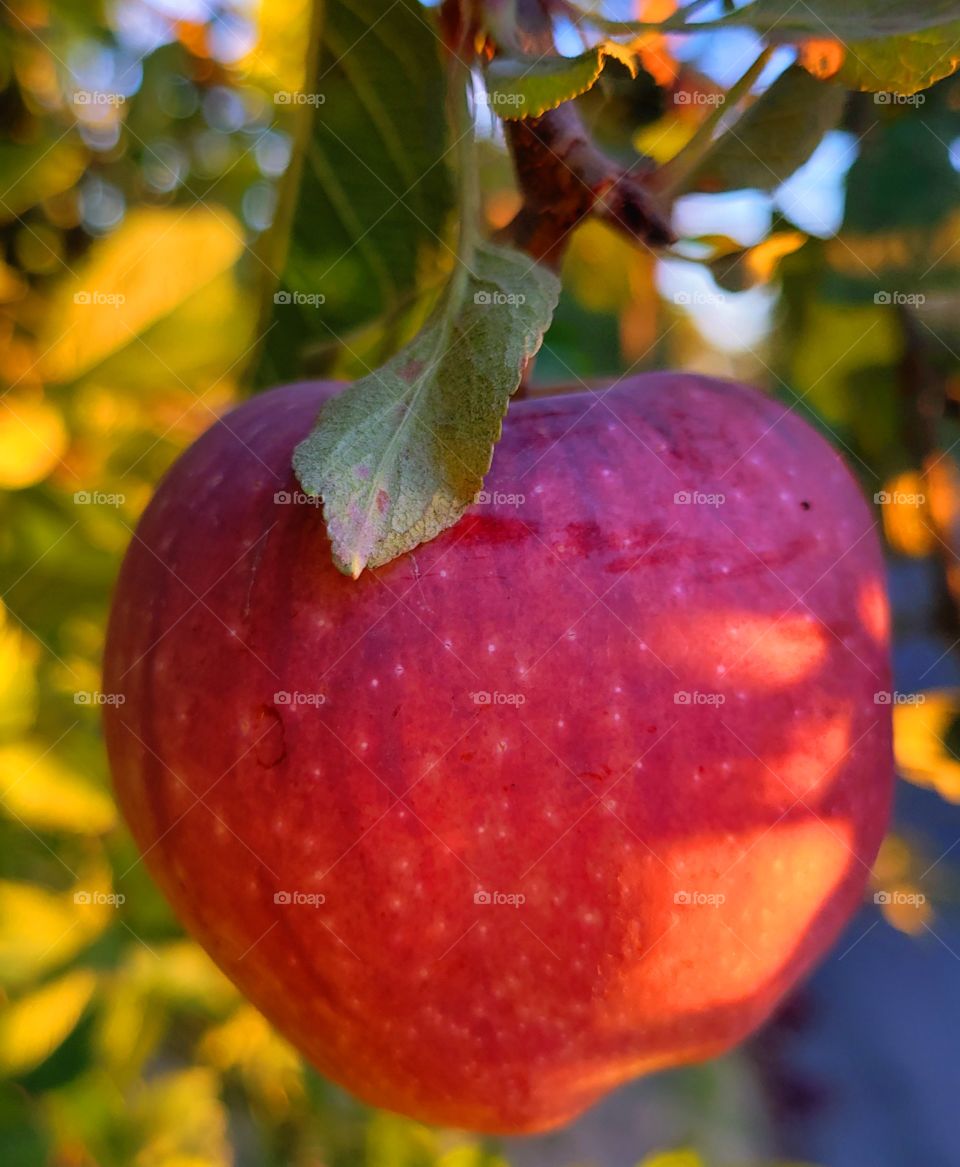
(611, 50)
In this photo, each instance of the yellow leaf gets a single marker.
(133, 279)
(40, 929)
(919, 739)
(763, 259)
(33, 439)
(905, 908)
(597, 268)
(822, 58)
(12, 285)
(195, 345)
(906, 516)
(665, 138)
(183, 977)
(277, 59)
(673, 1159)
(32, 1027)
(182, 1122)
(470, 1155)
(654, 47)
(38, 790)
(270, 1067)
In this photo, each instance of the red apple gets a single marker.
(576, 791)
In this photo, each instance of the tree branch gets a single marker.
(563, 178)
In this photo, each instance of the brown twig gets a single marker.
(563, 176)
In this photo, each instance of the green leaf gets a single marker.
(399, 456)
(902, 64)
(840, 19)
(526, 87)
(789, 20)
(36, 172)
(775, 136)
(370, 181)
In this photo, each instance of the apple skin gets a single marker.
(682, 862)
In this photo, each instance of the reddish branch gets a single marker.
(563, 178)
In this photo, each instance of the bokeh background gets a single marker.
(143, 154)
